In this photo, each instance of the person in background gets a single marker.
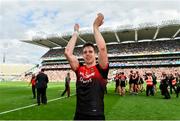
(172, 83)
(33, 85)
(164, 86)
(131, 85)
(154, 82)
(116, 79)
(123, 82)
(149, 85)
(177, 79)
(41, 85)
(67, 85)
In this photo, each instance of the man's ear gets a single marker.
(96, 54)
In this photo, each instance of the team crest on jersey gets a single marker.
(92, 70)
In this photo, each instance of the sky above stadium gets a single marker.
(22, 19)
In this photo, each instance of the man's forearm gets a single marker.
(99, 39)
(71, 44)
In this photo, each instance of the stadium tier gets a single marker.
(145, 48)
(14, 71)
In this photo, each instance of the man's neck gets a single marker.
(90, 65)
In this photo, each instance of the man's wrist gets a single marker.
(76, 32)
(96, 29)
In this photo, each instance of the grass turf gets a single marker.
(130, 107)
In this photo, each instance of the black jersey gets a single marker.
(90, 87)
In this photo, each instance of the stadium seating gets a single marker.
(154, 56)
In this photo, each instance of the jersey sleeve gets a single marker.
(103, 72)
(80, 64)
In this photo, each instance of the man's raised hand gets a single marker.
(99, 20)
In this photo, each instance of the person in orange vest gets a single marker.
(149, 83)
(33, 84)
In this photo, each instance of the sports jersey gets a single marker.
(90, 87)
(33, 82)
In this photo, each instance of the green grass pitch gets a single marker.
(15, 95)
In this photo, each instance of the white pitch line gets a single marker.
(30, 105)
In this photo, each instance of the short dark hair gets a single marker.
(89, 44)
(42, 70)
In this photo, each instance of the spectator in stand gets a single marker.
(91, 77)
(67, 85)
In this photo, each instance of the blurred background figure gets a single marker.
(164, 86)
(67, 85)
(33, 84)
(41, 85)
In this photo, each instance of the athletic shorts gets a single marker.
(123, 84)
(88, 117)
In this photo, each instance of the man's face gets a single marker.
(89, 55)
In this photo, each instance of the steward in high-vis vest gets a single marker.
(149, 83)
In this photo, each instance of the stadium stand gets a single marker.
(10, 72)
(145, 48)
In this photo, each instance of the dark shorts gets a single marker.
(135, 81)
(130, 81)
(117, 83)
(88, 117)
(122, 84)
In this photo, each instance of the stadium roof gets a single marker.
(120, 34)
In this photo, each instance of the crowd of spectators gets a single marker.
(59, 75)
(122, 63)
(147, 62)
(57, 71)
(136, 48)
(145, 47)
(57, 66)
